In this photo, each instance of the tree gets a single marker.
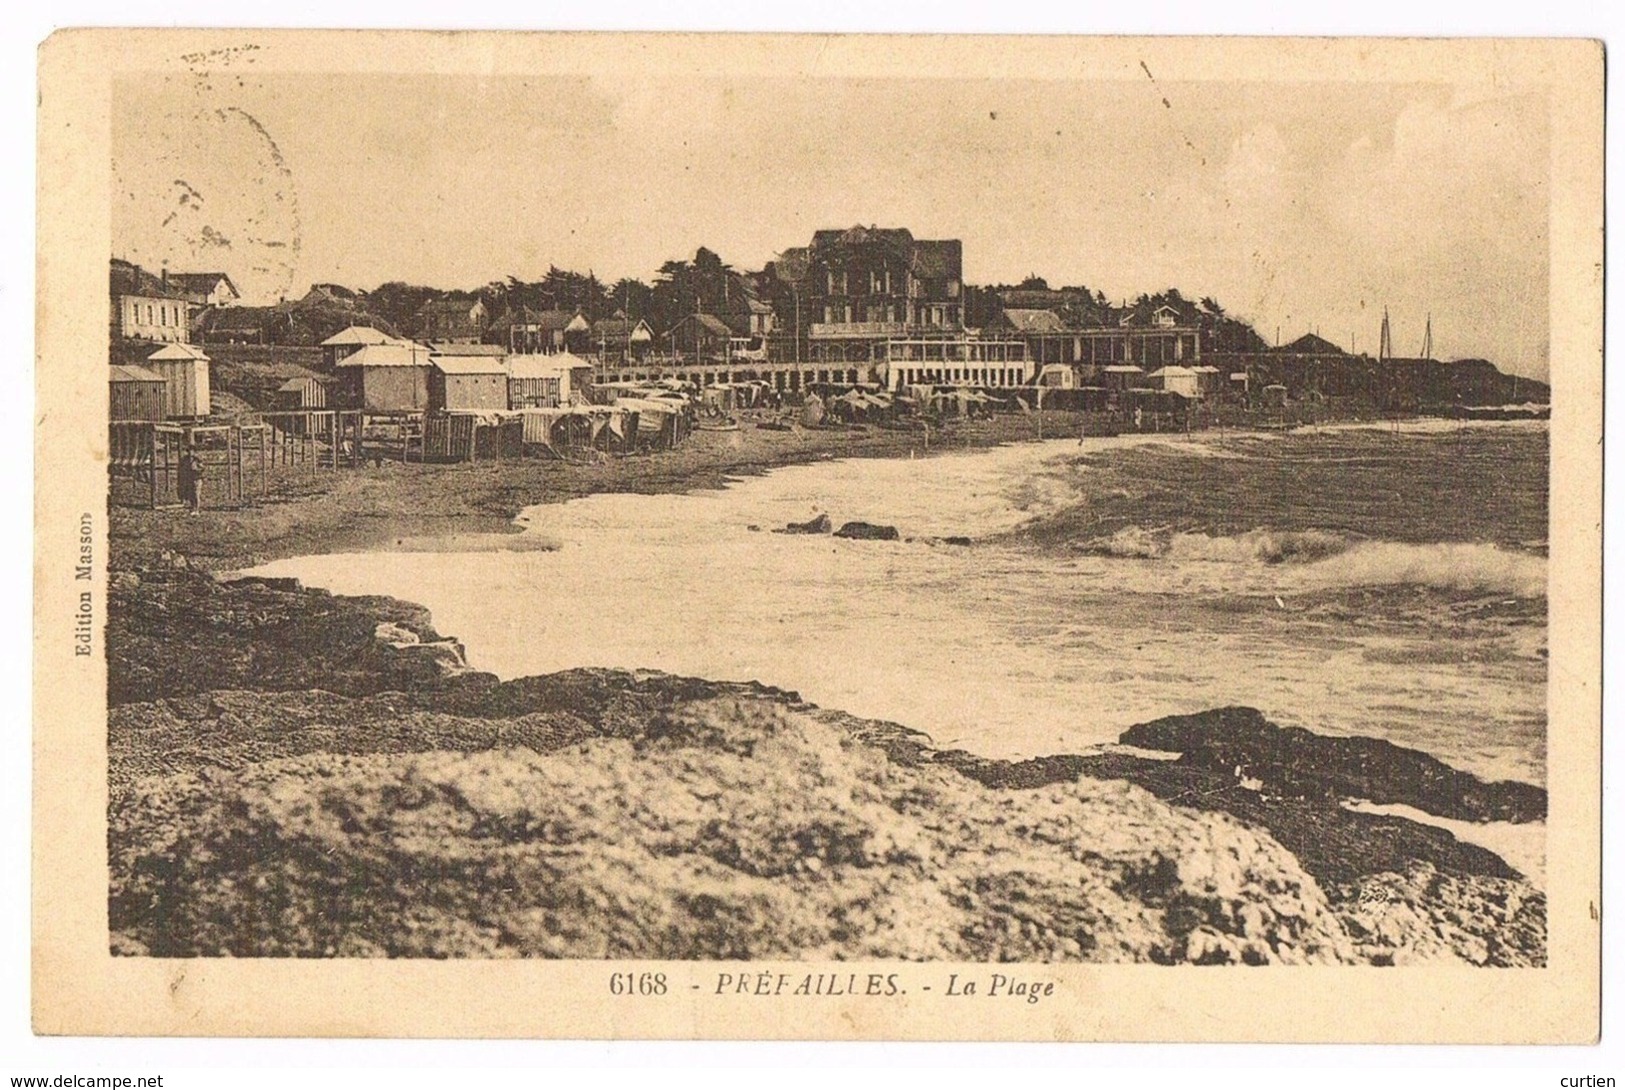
(634, 297)
(399, 302)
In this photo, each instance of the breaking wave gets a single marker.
(1328, 559)
(1255, 546)
(1465, 567)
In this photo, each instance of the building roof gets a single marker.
(128, 278)
(938, 259)
(202, 282)
(900, 238)
(708, 322)
(1173, 370)
(1142, 313)
(357, 335)
(620, 328)
(445, 348)
(533, 366)
(1033, 321)
(1122, 369)
(298, 383)
(545, 320)
(469, 365)
(929, 259)
(126, 372)
(392, 354)
(179, 352)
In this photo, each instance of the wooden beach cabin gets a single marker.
(545, 381)
(185, 371)
(302, 392)
(135, 393)
(1175, 379)
(467, 377)
(537, 382)
(1122, 376)
(386, 378)
(352, 339)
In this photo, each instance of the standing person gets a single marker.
(189, 480)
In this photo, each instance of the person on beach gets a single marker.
(189, 480)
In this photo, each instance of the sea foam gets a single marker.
(1328, 559)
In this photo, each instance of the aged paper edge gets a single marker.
(79, 988)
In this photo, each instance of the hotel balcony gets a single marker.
(838, 330)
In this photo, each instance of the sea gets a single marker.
(1343, 597)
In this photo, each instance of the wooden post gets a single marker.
(152, 471)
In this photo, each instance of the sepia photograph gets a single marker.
(742, 524)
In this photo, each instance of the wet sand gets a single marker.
(355, 509)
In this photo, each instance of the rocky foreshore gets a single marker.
(299, 774)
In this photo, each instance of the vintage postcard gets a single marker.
(569, 535)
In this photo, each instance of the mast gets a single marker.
(1385, 344)
(1427, 339)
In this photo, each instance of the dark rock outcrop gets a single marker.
(176, 632)
(1295, 763)
(819, 525)
(867, 531)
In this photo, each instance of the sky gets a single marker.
(1302, 207)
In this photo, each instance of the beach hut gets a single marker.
(185, 371)
(135, 393)
(351, 339)
(1175, 379)
(539, 381)
(1058, 376)
(386, 378)
(468, 383)
(1121, 376)
(536, 382)
(302, 392)
(1209, 379)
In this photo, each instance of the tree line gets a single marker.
(706, 284)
